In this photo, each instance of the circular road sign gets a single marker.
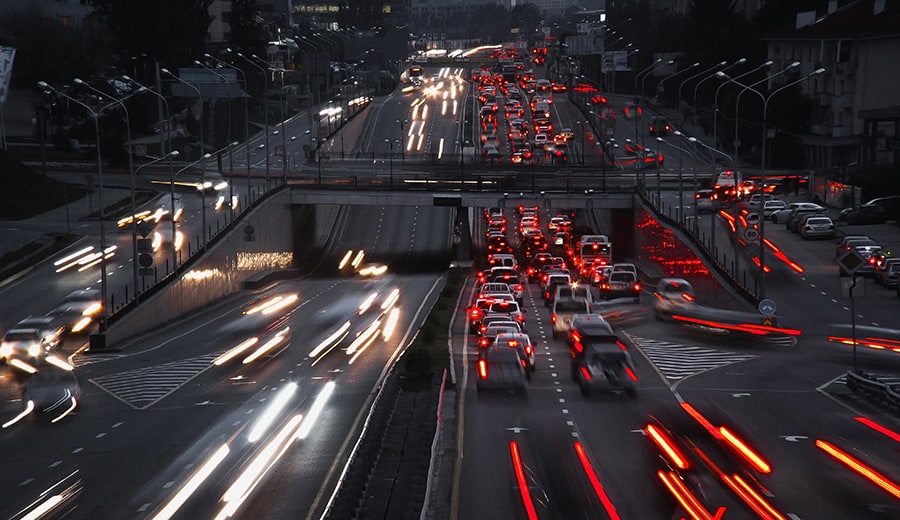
(751, 234)
(753, 218)
(767, 307)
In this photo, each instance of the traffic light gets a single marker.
(145, 256)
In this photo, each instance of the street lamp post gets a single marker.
(716, 99)
(712, 221)
(581, 149)
(737, 104)
(101, 320)
(711, 76)
(702, 72)
(659, 86)
(680, 178)
(170, 155)
(762, 174)
(265, 75)
(652, 68)
(119, 102)
(226, 83)
(391, 158)
(246, 115)
(402, 124)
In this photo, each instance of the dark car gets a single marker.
(621, 284)
(659, 127)
(865, 214)
(501, 368)
(602, 364)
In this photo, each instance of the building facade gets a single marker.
(856, 117)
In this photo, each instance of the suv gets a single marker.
(865, 214)
(521, 342)
(574, 291)
(602, 364)
(548, 288)
(563, 311)
(621, 284)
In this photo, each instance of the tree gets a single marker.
(248, 30)
(172, 32)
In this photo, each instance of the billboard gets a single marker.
(614, 61)
(7, 55)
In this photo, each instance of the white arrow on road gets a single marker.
(794, 438)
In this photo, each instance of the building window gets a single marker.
(844, 53)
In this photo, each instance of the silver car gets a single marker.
(817, 227)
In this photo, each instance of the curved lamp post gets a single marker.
(702, 72)
(265, 74)
(171, 155)
(762, 175)
(716, 100)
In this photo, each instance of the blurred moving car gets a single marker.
(77, 310)
(521, 342)
(781, 216)
(672, 294)
(704, 201)
(659, 127)
(25, 344)
(600, 361)
(564, 308)
(501, 368)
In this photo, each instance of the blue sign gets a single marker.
(767, 307)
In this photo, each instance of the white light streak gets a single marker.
(272, 411)
(315, 410)
(192, 484)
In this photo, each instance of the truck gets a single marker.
(593, 246)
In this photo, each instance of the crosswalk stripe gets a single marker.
(144, 387)
(81, 359)
(677, 361)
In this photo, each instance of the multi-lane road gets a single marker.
(161, 427)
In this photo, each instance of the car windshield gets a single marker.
(621, 276)
(21, 335)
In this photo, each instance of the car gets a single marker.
(882, 272)
(632, 110)
(501, 368)
(584, 327)
(867, 252)
(621, 266)
(621, 284)
(562, 311)
(560, 238)
(851, 241)
(890, 205)
(758, 199)
(540, 139)
(51, 328)
(794, 219)
(602, 364)
(781, 216)
(659, 127)
(771, 206)
(162, 238)
(704, 201)
(509, 308)
(548, 288)
(24, 344)
(672, 294)
(78, 309)
(817, 227)
(865, 214)
(575, 290)
(892, 276)
(495, 328)
(521, 342)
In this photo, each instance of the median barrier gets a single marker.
(869, 385)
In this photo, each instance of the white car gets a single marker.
(772, 206)
(671, 295)
(781, 216)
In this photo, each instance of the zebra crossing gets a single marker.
(677, 361)
(144, 387)
(81, 359)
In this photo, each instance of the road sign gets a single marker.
(767, 321)
(753, 218)
(851, 261)
(751, 234)
(767, 307)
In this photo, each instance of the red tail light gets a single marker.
(520, 317)
(578, 346)
(553, 318)
(518, 287)
(637, 287)
(587, 375)
(483, 328)
(483, 342)
(665, 444)
(631, 374)
(528, 349)
(745, 451)
(482, 369)
(688, 296)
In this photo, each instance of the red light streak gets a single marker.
(687, 499)
(631, 374)
(666, 445)
(520, 478)
(595, 482)
(701, 419)
(749, 455)
(894, 436)
(587, 375)
(752, 498)
(860, 468)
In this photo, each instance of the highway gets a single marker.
(163, 431)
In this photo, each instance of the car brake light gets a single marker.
(587, 375)
(528, 349)
(482, 369)
(553, 317)
(513, 343)
(520, 317)
(578, 346)
(637, 287)
(688, 296)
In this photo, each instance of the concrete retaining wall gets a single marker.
(280, 230)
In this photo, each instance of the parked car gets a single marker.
(882, 272)
(795, 218)
(865, 214)
(771, 206)
(781, 216)
(757, 199)
(817, 227)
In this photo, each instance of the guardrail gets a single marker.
(869, 385)
(429, 482)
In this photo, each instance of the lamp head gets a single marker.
(723, 63)
(78, 81)
(126, 77)
(696, 64)
(742, 60)
(659, 139)
(670, 62)
(197, 62)
(174, 153)
(794, 65)
(820, 70)
(207, 55)
(768, 63)
(43, 85)
(692, 139)
(722, 75)
(166, 71)
(207, 155)
(678, 133)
